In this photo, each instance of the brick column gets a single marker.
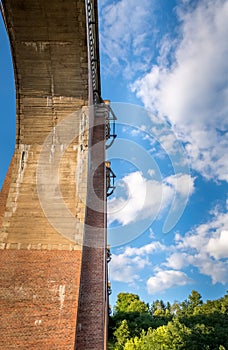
(92, 309)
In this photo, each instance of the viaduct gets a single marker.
(53, 250)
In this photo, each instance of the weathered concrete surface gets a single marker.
(48, 40)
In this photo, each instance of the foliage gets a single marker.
(122, 334)
(130, 308)
(127, 302)
(190, 325)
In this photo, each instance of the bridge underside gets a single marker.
(43, 266)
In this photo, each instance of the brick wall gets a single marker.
(38, 299)
(92, 311)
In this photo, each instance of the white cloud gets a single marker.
(151, 172)
(147, 198)
(177, 261)
(144, 199)
(126, 266)
(123, 269)
(145, 250)
(218, 246)
(193, 91)
(125, 26)
(165, 279)
(151, 233)
(183, 183)
(205, 247)
(217, 270)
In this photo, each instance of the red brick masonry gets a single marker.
(39, 299)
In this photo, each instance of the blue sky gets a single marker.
(7, 103)
(164, 67)
(169, 57)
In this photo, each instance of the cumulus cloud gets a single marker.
(217, 270)
(165, 279)
(177, 261)
(146, 198)
(151, 172)
(205, 247)
(125, 27)
(184, 183)
(126, 266)
(192, 91)
(124, 269)
(145, 250)
(218, 246)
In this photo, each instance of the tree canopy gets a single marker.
(190, 325)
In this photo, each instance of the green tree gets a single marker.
(170, 337)
(190, 325)
(158, 306)
(195, 300)
(221, 347)
(189, 306)
(130, 308)
(224, 303)
(175, 308)
(128, 302)
(122, 334)
(135, 343)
